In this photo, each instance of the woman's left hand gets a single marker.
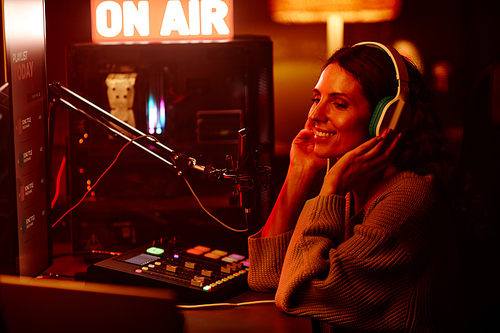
(357, 166)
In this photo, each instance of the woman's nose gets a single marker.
(317, 113)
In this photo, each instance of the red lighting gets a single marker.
(159, 20)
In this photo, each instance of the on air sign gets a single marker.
(161, 20)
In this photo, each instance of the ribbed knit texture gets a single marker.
(390, 268)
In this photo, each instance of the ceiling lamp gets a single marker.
(335, 13)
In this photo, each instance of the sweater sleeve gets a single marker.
(266, 260)
(365, 282)
(267, 254)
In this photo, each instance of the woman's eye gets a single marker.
(315, 100)
(340, 105)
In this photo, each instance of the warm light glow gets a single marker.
(159, 20)
(334, 13)
(351, 11)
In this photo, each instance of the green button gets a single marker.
(155, 250)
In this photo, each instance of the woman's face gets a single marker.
(340, 114)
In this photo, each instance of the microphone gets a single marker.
(249, 175)
(245, 174)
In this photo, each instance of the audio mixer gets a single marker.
(198, 274)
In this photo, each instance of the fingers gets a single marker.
(361, 163)
(390, 141)
(373, 146)
(393, 143)
(304, 136)
(308, 125)
(386, 142)
(386, 150)
(381, 149)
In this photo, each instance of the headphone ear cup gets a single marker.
(377, 113)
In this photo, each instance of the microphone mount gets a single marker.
(249, 171)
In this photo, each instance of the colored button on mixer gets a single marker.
(219, 252)
(212, 255)
(202, 248)
(195, 252)
(155, 250)
(233, 258)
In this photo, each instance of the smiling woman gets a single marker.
(375, 250)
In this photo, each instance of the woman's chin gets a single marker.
(323, 154)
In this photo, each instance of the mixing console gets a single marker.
(198, 274)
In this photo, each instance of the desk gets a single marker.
(258, 318)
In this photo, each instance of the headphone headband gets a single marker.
(397, 59)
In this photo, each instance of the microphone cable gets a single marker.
(89, 190)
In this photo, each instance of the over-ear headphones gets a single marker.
(392, 111)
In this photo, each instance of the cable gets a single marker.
(58, 182)
(111, 165)
(100, 177)
(210, 214)
(201, 306)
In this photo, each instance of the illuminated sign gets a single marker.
(161, 20)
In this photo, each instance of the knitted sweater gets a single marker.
(389, 268)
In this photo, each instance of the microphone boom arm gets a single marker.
(177, 162)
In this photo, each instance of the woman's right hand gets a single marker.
(304, 165)
(302, 152)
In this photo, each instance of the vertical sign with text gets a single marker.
(26, 73)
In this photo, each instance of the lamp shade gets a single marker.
(351, 11)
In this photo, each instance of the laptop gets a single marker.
(48, 305)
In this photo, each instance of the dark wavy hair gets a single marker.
(425, 141)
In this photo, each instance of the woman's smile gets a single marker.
(323, 134)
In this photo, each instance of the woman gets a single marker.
(375, 250)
